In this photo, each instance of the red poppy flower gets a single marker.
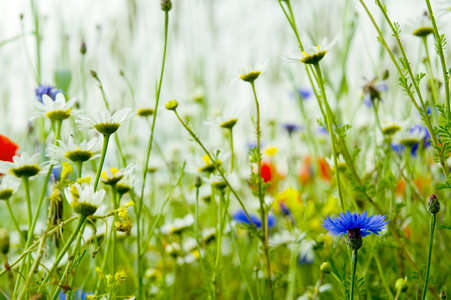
(7, 148)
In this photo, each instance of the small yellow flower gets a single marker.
(271, 151)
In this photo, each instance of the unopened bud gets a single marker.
(172, 104)
(401, 284)
(197, 182)
(166, 5)
(93, 73)
(443, 295)
(83, 48)
(326, 267)
(4, 240)
(433, 205)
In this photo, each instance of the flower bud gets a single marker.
(172, 104)
(354, 240)
(443, 295)
(93, 73)
(326, 268)
(197, 182)
(433, 205)
(166, 5)
(401, 284)
(4, 240)
(83, 48)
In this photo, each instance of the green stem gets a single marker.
(431, 241)
(442, 57)
(149, 147)
(60, 256)
(215, 163)
(16, 224)
(330, 129)
(106, 139)
(261, 198)
(220, 230)
(232, 160)
(38, 40)
(431, 79)
(353, 269)
(79, 165)
(69, 263)
(114, 235)
(26, 186)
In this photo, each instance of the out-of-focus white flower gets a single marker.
(55, 110)
(105, 123)
(249, 74)
(22, 166)
(178, 225)
(311, 54)
(81, 152)
(8, 187)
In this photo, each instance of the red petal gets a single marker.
(7, 148)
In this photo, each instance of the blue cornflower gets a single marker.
(241, 217)
(422, 131)
(291, 128)
(46, 89)
(79, 295)
(305, 93)
(351, 222)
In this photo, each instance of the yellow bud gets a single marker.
(67, 169)
(100, 273)
(86, 180)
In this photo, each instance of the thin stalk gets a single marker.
(69, 263)
(431, 79)
(80, 222)
(149, 146)
(79, 165)
(442, 57)
(201, 259)
(38, 40)
(261, 198)
(330, 129)
(232, 160)
(431, 241)
(215, 163)
(26, 186)
(353, 269)
(106, 139)
(16, 224)
(220, 231)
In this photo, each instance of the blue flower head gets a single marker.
(291, 127)
(46, 89)
(305, 93)
(351, 222)
(241, 217)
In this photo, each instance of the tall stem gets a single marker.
(16, 224)
(431, 241)
(26, 186)
(353, 269)
(261, 197)
(232, 160)
(330, 129)
(149, 149)
(106, 139)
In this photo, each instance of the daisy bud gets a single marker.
(433, 205)
(172, 104)
(166, 5)
(197, 182)
(401, 284)
(4, 241)
(326, 268)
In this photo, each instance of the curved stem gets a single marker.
(106, 139)
(232, 161)
(353, 269)
(431, 241)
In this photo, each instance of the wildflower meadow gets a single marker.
(225, 149)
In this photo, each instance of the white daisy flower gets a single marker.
(113, 175)
(8, 187)
(249, 73)
(105, 123)
(55, 110)
(312, 54)
(83, 199)
(226, 119)
(178, 225)
(420, 26)
(22, 166)
(75, 152)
